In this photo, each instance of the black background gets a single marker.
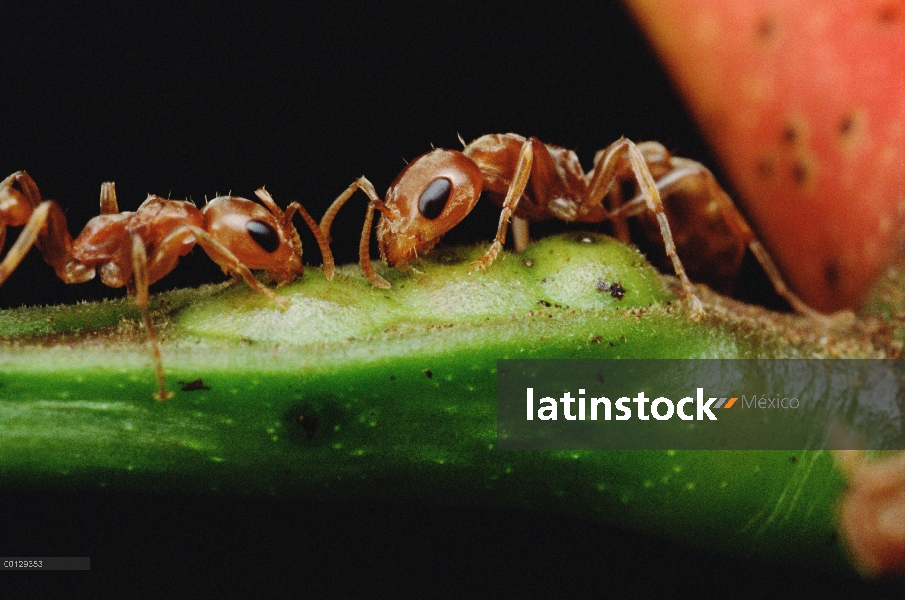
(193, 101)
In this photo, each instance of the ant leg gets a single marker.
(364, 252)
(513, 195)
(20, 204)
(45, 228)
(364, 248)
(221, 255)
(779, 284)
(167, 254)
(16, 187)
(285, 220)
(743, 231)
(620, 221)
(655, 155)
(362, 184)
(140, 286)
(326, 253)
(521, 235)
(603, 178)
(25, 241)
(55, 244)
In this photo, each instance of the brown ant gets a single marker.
(708, 228)
(136, 249)
(534, 181)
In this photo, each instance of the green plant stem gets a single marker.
(356, 393)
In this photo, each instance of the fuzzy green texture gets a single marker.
(359, 393)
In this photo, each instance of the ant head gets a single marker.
(427, 199)
(259, 238)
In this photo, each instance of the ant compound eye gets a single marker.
(262, 233)
(433, 200)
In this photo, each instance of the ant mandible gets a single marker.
(533, 181)
(136, 249)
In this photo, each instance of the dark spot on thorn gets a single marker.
(793, 459)
(847, 125)
(888, 14)
(789, 134)
(309, 423)
(544, 303)
(831, 274)
(193, 386)
(765, 168)
(429, 373)
(800, 172)
(766, 29)
(602, 286)
(596, 339)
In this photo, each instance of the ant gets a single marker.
(533, 181)
(707, 226)
(136, 249)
